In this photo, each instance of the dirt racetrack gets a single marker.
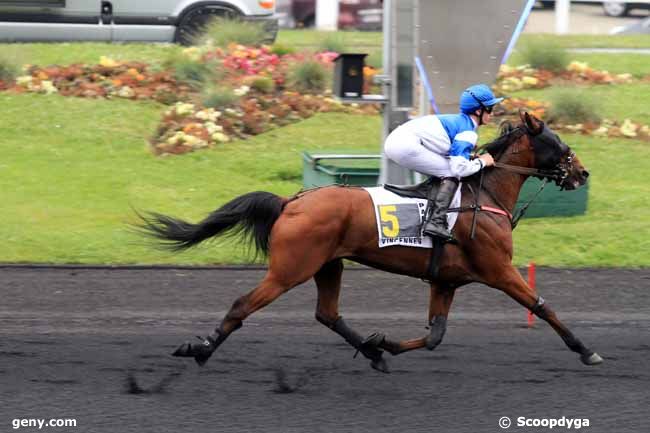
(94, 345)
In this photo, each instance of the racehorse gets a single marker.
(308, 236)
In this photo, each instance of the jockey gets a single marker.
(440, 145)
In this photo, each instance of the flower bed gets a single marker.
(259, 81)
(511, 79)
(510, 108)
(130, 80)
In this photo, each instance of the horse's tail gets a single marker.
(251, 215)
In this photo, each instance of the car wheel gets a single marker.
(615, 9)
(193, 22)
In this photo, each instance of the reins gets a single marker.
(556, 175)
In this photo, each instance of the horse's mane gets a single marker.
(507, 133)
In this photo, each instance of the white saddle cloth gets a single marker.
(399, 219)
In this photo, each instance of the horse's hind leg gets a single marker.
(328, 282)
(285, 272)
(269, 289)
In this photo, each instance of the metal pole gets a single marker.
(327, 14)
(562, 16)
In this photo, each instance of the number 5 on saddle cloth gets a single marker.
(400, 212)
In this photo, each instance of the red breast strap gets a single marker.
(496, 210)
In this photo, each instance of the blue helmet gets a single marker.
(476, 97)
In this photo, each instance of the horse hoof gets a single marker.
(374, 340)
(380, 365)
(200, 352)
(593, 359)
(184, 349)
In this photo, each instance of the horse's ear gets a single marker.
(533, 123)
(522, 115)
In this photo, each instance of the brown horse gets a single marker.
(308, 236)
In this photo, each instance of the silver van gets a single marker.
(123, 20)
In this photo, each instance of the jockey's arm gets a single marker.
(460, 164)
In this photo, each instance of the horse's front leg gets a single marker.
(440, 300)
(513, 284)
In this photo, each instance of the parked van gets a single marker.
(123, 20)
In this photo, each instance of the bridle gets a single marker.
(558, 173)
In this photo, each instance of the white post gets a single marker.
(327, 14)
(562, 16)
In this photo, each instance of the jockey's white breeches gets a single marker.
(407, 150)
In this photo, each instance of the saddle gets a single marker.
(421, 190)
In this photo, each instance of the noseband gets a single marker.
(558, 173)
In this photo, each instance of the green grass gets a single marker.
(637, 65)
(312, 38)
(614, 232)
(616, 102)
(370, 42)
(73, 168)
(88, 52)
(589, 41)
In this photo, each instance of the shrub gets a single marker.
(263, 84)
(9, 70)
(282, 50)
(332, 42)
(573, 107)
(193, 71)
(218, 97)
(545, 55)
(220, 32)
(309, 76)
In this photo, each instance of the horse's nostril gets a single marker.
(585, 174)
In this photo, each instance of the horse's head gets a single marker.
(553, 155)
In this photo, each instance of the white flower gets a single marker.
(208, 114)
(241, 91)
(24, 80)
(194, 141)
(212, 127)
(601, 131)
(579, 67)
(184, 109)
(48, 88)
(126, 92)
(628, 128)
(234, 113)
(220, 137)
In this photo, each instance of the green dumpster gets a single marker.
(363, 170)
(340, 168)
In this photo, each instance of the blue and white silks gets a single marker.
(436, 145)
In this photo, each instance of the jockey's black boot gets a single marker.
(436, 225)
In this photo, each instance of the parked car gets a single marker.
(353, 14)
(622, 8)
(123, 20)
(550, 4)
(638, 27)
